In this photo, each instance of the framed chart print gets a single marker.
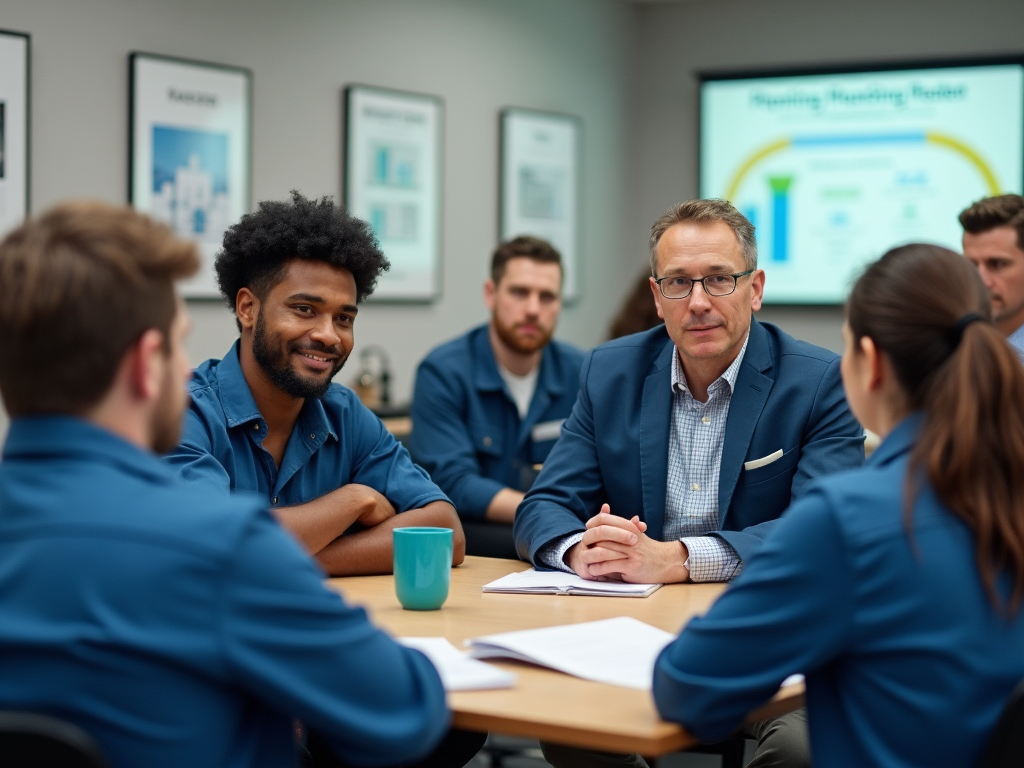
(392, 179)
(190, 151)
(14, 135)
(539, 193)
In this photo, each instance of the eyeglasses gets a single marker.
(676, 287)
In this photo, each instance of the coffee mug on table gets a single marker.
(423, 566)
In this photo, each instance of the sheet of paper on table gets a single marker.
(619, 651)
(458, 671)
(559, 583)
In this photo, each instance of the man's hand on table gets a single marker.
(616, 549)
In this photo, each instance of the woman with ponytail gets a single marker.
(897, 588)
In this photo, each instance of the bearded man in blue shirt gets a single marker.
(267, 419)
(177, 627)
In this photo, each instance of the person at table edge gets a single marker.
(688, 441)
(177, 627)
(488, 406)
(267, 419)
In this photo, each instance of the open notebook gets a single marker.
(619, 651)
(535, 582)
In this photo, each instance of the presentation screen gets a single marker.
(835, 167)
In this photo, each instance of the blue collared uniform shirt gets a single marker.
(336, 441)
(466, 428)
(181, 627)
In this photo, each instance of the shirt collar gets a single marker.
(240, 407)
(728, 376)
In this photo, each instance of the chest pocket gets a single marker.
(488, 441)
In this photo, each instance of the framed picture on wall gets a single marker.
(14, 137)
(539, 192)
(392, 179)
(189, 158)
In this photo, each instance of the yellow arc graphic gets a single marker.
(941, 139)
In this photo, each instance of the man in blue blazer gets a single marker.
(688, 441)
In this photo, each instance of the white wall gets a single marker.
(570, 56)
(677, 40)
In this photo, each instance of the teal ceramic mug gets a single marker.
(423, 567)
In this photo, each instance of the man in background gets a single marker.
(178, 627)
(994, 242)
(688, 441)
(488, 406)
(268, 419)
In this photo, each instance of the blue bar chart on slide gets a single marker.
(831, 176)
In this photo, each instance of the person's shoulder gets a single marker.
(650, 343)
(456, 351)
(568, 352)
(784, 345)
(205, 376)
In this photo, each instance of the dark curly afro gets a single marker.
(258, 248)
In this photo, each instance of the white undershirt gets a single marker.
(520, 387)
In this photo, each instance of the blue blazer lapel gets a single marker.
(655, 423)
(753, 384)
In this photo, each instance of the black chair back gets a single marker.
(1005, 748)
(31, 740)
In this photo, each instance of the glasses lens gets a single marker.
(720, 285)
(676, 287)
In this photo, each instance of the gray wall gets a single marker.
(570, 56)
(626, 69)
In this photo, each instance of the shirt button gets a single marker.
(487, 442)
(706, 419)
(695, 486)
(256, 427)
(274, 500)
(312, 436)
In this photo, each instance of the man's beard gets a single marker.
(165, 427)
(281, 373)
(522, 345)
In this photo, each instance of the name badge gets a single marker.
(547, 430)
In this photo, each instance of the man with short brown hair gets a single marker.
(176, 626)
(994, 243)
(488, 405)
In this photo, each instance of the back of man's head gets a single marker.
(523, 247)
(258, 248)
(991, 212)
(78, 286)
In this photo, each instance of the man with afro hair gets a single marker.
(267, 418)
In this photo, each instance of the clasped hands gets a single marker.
(616, 549)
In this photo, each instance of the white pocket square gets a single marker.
(764, 461)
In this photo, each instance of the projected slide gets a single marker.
(835, 169)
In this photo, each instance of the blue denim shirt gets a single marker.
(181, 627)
(336, 441)
(466, 429)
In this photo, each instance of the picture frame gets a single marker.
(190, 151)
(540, 184)
(14, 128)
(392, 178)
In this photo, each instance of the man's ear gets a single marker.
(146, 363)
(656, 291)
(247, 307)
(489, 289)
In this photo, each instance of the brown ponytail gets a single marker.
(915, 305)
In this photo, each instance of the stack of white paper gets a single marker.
(458, 671)
(560, 583)
(619, 651)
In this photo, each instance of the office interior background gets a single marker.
(626, 69)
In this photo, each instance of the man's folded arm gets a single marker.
(370, 550)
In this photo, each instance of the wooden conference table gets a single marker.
(545, 704)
